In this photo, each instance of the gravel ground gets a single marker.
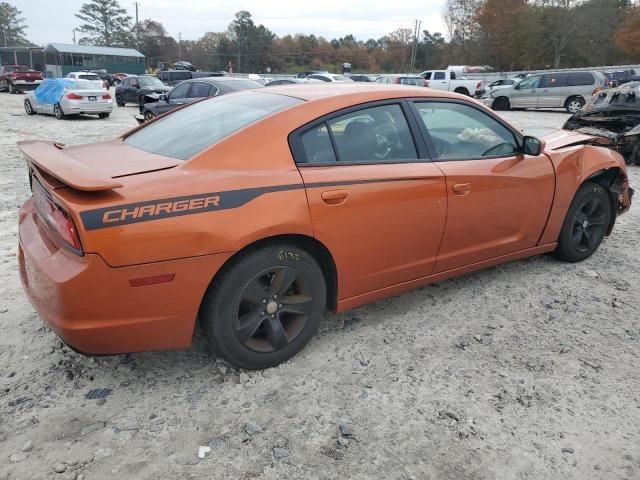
(524, 371)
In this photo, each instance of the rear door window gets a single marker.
(180, 91)
(439, 76)
(553, 80)
(580, 78)
(317, 145)
(200, 90)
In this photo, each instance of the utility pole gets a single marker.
(179, 46)
(414, 50)
(137, 27)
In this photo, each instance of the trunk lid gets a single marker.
(94, 167)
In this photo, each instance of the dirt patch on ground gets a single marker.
(528, 370)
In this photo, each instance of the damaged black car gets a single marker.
(614, 116)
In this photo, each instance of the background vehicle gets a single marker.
(362, 78)
(182, 65)
(117, 77)
(286, 81)
(619, 77)
(500, 84)
(415, 80)
(91, 77)
(329, 77)
(75, 97)
(613, 115)
(567, 90)
(107, 77)
(191, 91)
(301, 181)
(139, 90)
(448, 81)
(174, 77)
(311, 72)
(19, 78)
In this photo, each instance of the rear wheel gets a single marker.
(265, 306)
(462, 91)
(119, 100)
(574, 104)
(57, 112)
(12, 88)
(103, 115)
(501, 103)
(29, 108)
(585, 225)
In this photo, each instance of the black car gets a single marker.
(362, 78)
(174, 77)
(191, 91)
(140, 90)
(104, 76)
(285, 81)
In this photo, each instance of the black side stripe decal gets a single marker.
(126, 214)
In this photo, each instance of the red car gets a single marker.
(19, 78)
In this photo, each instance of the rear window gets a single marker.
(187, 131)
(412, 81)
(82, 85)
(89, 77)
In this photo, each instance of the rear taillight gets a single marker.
(58, 221)
(13, 75)
(74, 96)
(478, 85)
(106, 97)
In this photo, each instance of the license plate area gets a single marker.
(92, 99)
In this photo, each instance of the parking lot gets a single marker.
(527, 370)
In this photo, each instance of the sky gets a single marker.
(54, 20)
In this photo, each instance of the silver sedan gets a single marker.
(79, 97)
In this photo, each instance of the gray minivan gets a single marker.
(569, 90)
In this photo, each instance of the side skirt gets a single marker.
(353, 302)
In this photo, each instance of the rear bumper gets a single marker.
(93, 308)
(92, 108)
(24, 85)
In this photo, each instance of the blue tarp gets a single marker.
(52, 89)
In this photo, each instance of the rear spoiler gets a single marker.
(49, 157)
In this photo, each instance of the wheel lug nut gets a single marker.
(280, 305)
(264, 300)
(272, 316)
(275, 296)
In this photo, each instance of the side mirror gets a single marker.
(516, 86)
(532, 146)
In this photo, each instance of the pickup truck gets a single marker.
(446, 80)
(19, 78)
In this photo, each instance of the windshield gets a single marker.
(20, 68)
(190, 130)
(417, 81)
(150, 82)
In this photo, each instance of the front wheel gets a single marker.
(57, 112)
(148, 116)
(585, 225)
(265, 306)
(119, 100)
(103, 115)
(501, 104)
(12, 88)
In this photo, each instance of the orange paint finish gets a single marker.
(387, 226)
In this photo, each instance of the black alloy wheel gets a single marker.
(272, 309)
(264, 306)
(586, 223)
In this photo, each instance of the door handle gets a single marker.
(334, 197)
(462, 189)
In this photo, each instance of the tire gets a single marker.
(11, 88)
(141, 103)
(57, 112)
(247, 289)
(29, 108)
(119, 100)
(574, 104)
(462, 91)
(104, 115)
(148, 115)
(585, 225)
(501, 104)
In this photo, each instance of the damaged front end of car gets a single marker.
(614, 116)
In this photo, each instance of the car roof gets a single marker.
(355, 92)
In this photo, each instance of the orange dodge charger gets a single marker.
(254, 212)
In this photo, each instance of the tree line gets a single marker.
(503, 34)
